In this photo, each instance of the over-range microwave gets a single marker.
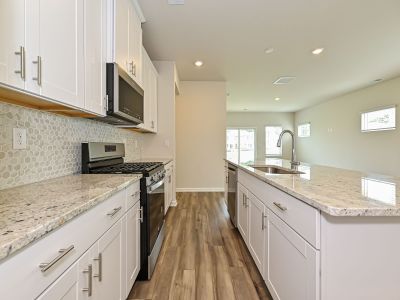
(124, 98)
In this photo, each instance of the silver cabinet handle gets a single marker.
(242, 199)
(114, 211)
(134, 70)
(280, 206)
(135, 194)
(141, 214)
(89, 289)
(264, 216)
(38, 62)
(246, 201)
(46, 266)
(152, 124)
(99, 259)
(21, 54)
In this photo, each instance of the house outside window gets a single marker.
(241, 144)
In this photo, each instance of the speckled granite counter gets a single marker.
(29, 212)
(337, 192)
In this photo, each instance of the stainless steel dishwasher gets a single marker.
(232, 191)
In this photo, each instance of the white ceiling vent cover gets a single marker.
(176, 2)
(284, 80)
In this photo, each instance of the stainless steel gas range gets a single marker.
(108, 158)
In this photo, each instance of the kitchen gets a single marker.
(142, 155)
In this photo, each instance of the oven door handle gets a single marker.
(155, 186)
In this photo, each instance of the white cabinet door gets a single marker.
(132, 245)
(121, 33)
(95, 55)
(242, 214)
(293, 265)
(59, 61)
(12, 37)
(110, 248)
(65, 287)
(257, 227)
(88, 273)
(135, 45)
(226, 185)
(168, 187)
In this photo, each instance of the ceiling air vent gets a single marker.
(176, 2)
(284, 80)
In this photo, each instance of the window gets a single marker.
(304, 130)
(379, 119)
(240, 144)
(271, 139)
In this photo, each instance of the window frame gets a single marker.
(375, 110)
(238, 128)
(302, 124)
(265, 141)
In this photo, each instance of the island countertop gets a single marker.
(31, 211)
(337, 192)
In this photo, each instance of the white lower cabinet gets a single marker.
(111, 247)
(132, 246)
(257, 231)
(292, 268)
(94, 256)
(242, 214)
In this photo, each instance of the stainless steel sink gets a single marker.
(275, 170)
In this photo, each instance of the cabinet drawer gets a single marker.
(303, 218)
(132, 194)
(77, 235)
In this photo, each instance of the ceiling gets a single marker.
(361, 40)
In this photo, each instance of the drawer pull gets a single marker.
(46, 266)
(99, 259)
(264, 216)
(280, 206)
(114, 211)
(135, 194)
(89, 289)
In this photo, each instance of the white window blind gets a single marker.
(379, 119)
(271, 139)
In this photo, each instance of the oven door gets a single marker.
(155, 200)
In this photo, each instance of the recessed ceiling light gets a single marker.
(176, 2)
(317, 51)
(277, 99)
(269, 50)
(198, 63)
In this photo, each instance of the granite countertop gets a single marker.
(31, 211)
(337, 192)
(163, 160)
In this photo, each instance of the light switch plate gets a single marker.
(19, 138)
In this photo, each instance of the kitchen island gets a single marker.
(324, 233)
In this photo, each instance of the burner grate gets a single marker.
(128, 168)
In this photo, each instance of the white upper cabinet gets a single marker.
(125, 37)
(150, 79)
(12, 49)
(95, 30)
(55, 47)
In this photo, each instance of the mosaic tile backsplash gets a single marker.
(53, 144)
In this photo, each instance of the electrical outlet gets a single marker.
(19, 138)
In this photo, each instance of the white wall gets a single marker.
(336, 139)
(200, 135)
(259, 120)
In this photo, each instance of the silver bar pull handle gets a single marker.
(38, 62)
(62, 252)
(99, 259)
(114, 211)
(264, 216)
(141, 214)
(134, 69)
(21, 54)
(280, 206)
(89, 289)
(246, 202)
(135, 194)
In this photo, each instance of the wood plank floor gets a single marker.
(203, 256)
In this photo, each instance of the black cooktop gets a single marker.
(128, 168)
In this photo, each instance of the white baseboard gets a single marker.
(198, 190)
